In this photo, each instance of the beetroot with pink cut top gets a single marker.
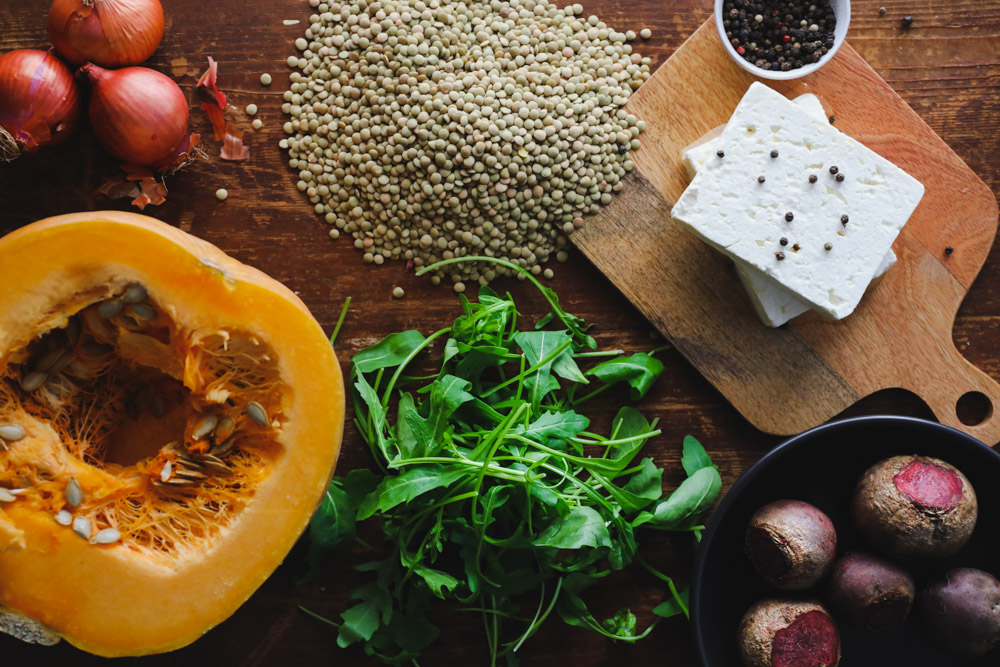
(869, 592)
(915, 507)
(778, 633)
(791, 543)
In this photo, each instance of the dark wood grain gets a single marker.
(947, 67)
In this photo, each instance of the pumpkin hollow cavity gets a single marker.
(135, 433)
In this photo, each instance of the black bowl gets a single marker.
(821, 467)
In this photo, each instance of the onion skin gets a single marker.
(109, 33)
(40, 101)
(139, 115)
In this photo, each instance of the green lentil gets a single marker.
(398, 292)
(257, 123)
(429, 130)
(221, 194)
(645, 33)
(251, 109)
(265, 79)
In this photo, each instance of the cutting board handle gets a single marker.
(956, 378)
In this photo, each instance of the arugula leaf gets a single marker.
(554, 425)
(695, 495)
(647, 483)
(407, 486)
(695, 457)
(640, 371)
(582, 527)
(556, 346)
(390, 351)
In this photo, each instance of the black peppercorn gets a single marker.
(774, 153)
(840, 178)
(779, 256)
(789, 217)
(948, 250)
(783, 241)
(720, 153)
(833, 119)
(833, 169)
(828, 246)
(844, 219)
(760, 179)
(907, 21)
(813, 178)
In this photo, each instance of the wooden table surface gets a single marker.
(946, 66)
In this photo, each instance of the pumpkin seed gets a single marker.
(141, 311)
(48, 360)
(6, 496)
(12, 432)
(204, 426)
(106, 536)
(135, 294)
(81, 526)
(33, 380)
(74, 494)
(62, 362)
(217, 466)
(179, 481)
(222, 449)
(95, 349)
(63, 517)
(165, 473)
(187, 473)
(224, 429)
(257, 413)
(109, 308)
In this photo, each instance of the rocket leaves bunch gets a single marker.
(488, 489)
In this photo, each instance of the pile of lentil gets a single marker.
(432, 129)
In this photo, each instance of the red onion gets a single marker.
(39, 102)
(139, 115)
(109, 33)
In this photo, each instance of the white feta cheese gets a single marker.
(728, 207)
(773, 303)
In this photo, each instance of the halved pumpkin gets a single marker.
(169, 420)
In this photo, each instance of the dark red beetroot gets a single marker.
(961, 613)
(791, 543)
(870, 592)
(778, 633)
(915, 506)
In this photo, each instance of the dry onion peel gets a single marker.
(232, 144)
(218, 118)
(210, 80)
(109, 33)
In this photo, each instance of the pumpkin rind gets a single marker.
(111, 600)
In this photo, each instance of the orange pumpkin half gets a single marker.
(169, 420)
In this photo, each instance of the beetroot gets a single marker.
(791, 543)
(777, 633)
(961, 612)
(915, 506)
(869, 592)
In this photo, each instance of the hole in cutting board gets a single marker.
(973, 408)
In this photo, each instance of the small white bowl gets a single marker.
(841, 9)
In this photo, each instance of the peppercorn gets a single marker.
(948, 250)
(760, 179)
(780, 256)
(783, 241)
(774, 153)
(907, 21)
(844, 219)
(827, 246)
(833, 119)
(789, 216)
(720, 153)
(833, 169)
(881, 11)
(813, 178)
(840, 178)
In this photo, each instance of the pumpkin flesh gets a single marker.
(203, 521)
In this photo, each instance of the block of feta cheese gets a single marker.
(773, 304)
(837, 227)
(697, 154)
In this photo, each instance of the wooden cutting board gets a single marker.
(787, 380)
